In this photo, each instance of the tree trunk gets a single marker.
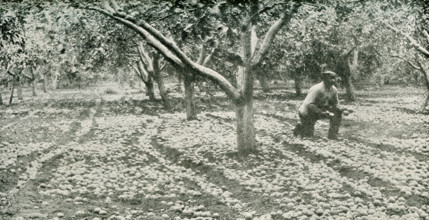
(264, 83)
(188, 82)
(158, 79)
(163, 93)
(19, 90)
(149, 90)
(45, 84)
(298, 85)
(245, 127)
(11, 94)
(34, 87)
(179, 82)
(244, 105)
(55, 81)
(426, 100)
(350, 95)
(1, 99)
(132, 83)
(426, 80)
(352, 62)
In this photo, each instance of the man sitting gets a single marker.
(321, 102)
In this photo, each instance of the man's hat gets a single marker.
(328, 73)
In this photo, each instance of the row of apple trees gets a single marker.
(51, 44)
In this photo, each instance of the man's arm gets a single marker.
(336, 101)
(336, 104)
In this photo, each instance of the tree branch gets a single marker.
(412, 41)
(409, 62)
(233, 58)
(347, 54)
(144, 74)
(27, 76)
(166, 42)
(137, 71)
(107, 6)
(169, 50)
(349, 62)
(203, 53)
(210, 55)
(264, 9)
(145, 55)
(142, 32)
(269, 36)
(10, 73)
(115, 6)
(8, 67)
(162, 66)
(426, 35)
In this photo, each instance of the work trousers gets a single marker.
(306, 127)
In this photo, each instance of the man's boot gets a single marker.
(334, 126)
(297, 130)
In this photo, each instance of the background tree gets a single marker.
(149, 69)
(12, 46)
(187, 22)
(310, 48)
(409, 20)
(147, 79)
(85, 47)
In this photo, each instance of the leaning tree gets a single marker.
(250, 56)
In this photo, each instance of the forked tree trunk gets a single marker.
(188, 82)
(159, 80)
(146, 78)
(244, 105)
(151, 68)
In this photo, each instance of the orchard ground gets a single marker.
(109, 153)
